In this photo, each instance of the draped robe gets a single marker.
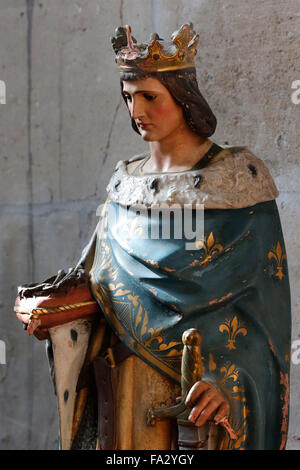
(232, 286)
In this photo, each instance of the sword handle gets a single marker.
(191, 365)
(191, 372)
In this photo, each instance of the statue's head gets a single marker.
(166, 68)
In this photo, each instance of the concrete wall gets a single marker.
(64, 127)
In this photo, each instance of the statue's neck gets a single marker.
(179, 155)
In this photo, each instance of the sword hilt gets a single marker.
(191, 372)
(191, 365)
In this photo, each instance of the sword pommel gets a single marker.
(191, 337)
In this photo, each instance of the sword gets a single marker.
(189, 435)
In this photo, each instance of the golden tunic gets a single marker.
(140, 387)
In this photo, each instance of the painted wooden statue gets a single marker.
(115, 322)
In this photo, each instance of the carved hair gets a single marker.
(183, 86)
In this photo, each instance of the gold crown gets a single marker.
(158, 55)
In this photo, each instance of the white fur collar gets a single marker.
(237, 179)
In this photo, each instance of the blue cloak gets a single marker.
(232, 286)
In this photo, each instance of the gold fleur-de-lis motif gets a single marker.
(232, 328)
(210, 246)
(279, 256)
(234, 390)
(132, 227)
(230, 372)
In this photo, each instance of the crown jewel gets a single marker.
(157, 55)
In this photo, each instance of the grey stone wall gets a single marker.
(64, 127)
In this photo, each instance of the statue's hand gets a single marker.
(208, 402)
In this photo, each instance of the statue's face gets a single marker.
(153, 108)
